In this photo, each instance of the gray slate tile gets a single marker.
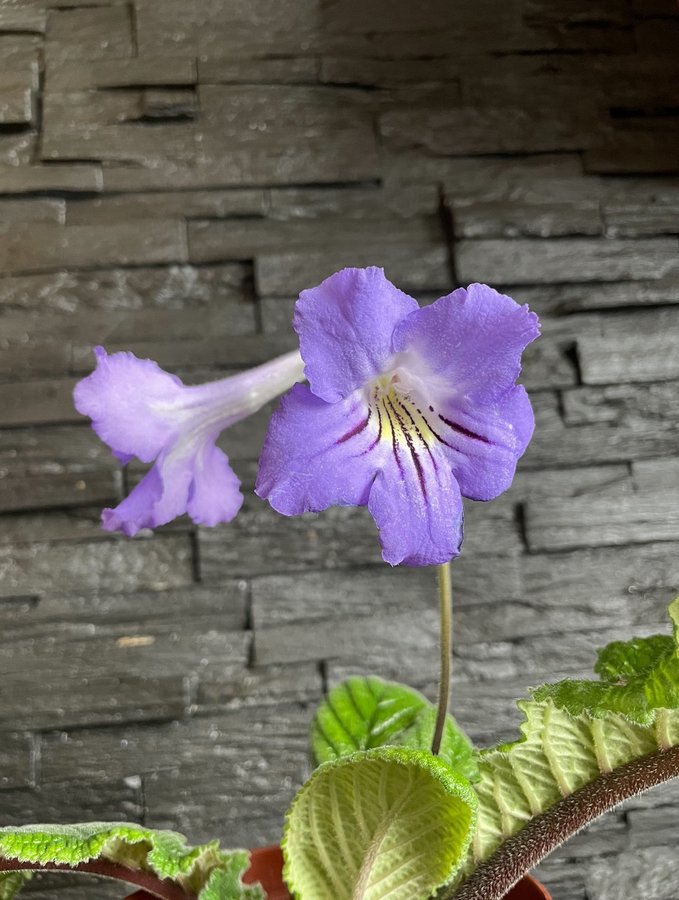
(129, 291)
(220, 739)
(68, 74)
(16, 106)
(41, 568)
(227, 70)
(566, 260)
(470, 131)
(17, 754)
(221, 607)
(571, 298)
(23, 19)
(628, 358)
(166, 205)
(107, 674)
(46, 247)
(36, 402)
(656, 474)
(32, 209)
(28, 179)
(100, 801)
(509, 220)
(647, 874)
(559, 524)
(90, 32)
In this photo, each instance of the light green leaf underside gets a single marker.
(382, 823)
(366, 713)
(571, 736)
(12, 882)
(225, 882)
(165, 853)
(559, 754)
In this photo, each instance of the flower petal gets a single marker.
(345, 328)
(136, 510)
(484, 443)
(317, 454)
(132, 402)
(214, 495)
(417, 507)
(471, 339)
(200, 481)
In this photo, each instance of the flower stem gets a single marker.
(446, 640)
(547, 831)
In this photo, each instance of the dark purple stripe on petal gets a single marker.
(413, 451)
(394, 446)
(465, 431)
(418, 432)
(379, 428)
(435, 433)
(357, 429)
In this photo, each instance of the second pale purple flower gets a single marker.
(408, 409)
(141, 411)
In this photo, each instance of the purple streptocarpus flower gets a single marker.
(407, 409)
(141, 411)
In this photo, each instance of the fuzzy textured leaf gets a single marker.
(575, 731)
(225, 882)
(622, 660)
(638, 677)
(381, 823)
(164, 853)
(12, 882)
(366, 713)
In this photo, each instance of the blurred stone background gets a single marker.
(172, 173)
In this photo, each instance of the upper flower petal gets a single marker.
(318, 454)
(417, 507)
(345, 328)
(132, 402)
(472, 340)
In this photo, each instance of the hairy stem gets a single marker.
(157, 887)
(446, 639)
(524, 850)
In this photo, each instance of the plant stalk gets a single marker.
(156, 887)
(529, 846)
(446, 643)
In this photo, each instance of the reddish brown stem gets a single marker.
(157, 887)
(522, 852)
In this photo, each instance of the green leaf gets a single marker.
(623, 660)
(12, 882)
(164, 853)
(386, 822)
(575, 731)
(366, 713)
(225, 883)
(557, 754)
(638, 677)
(599, 698)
